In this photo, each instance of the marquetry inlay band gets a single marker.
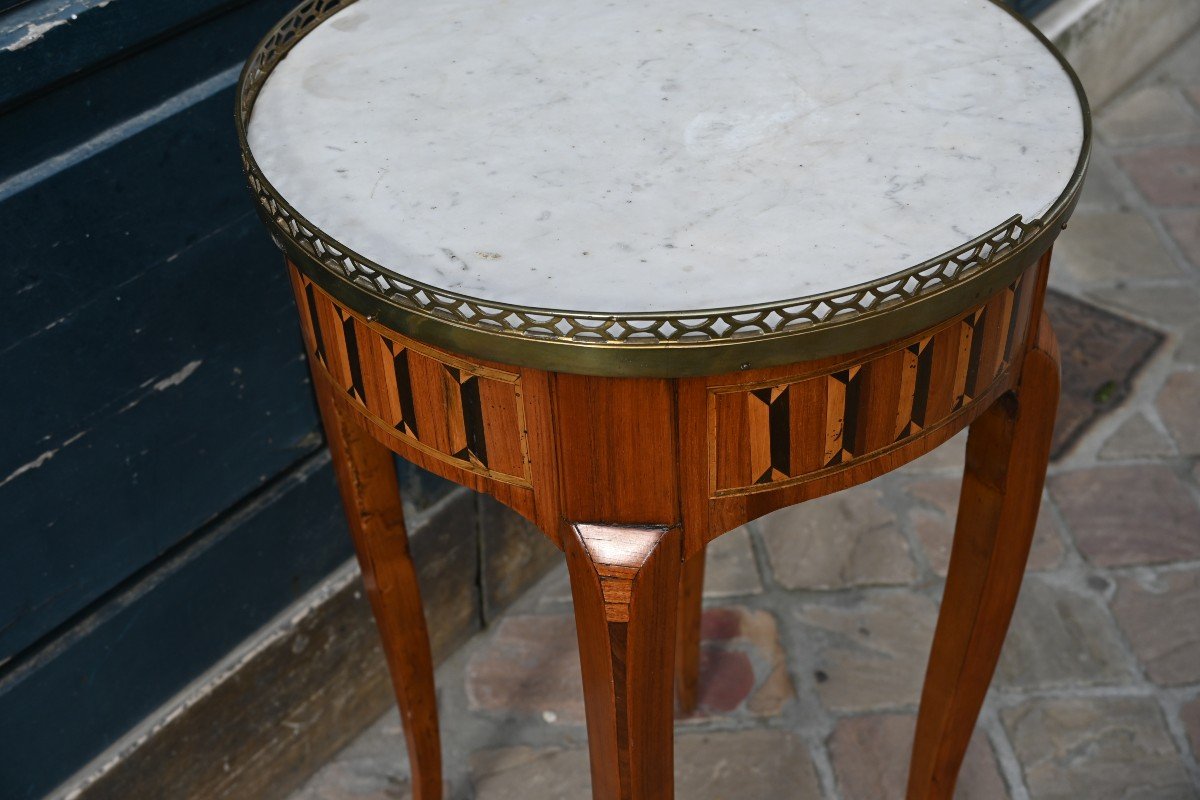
(765, 436)
(462, 413)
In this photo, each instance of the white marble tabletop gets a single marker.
(652, 155)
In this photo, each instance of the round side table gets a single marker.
(646, 272)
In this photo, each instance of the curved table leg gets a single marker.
(625, 584)
(366, 474)
(687, 642)
(1007, 452)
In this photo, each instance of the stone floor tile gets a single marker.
(1190, 715)
(1101, 190)
(1184, 227)
(1160, 616)
(1167, 176)
(1102, 352)
(870, 759)
(730, 569)
(1128, 515)
(1149, 114)
(343, 780)
(527, 773)
(1178, 405)
(1101, 748)
(872, 652)
(1108, 248)
(1136, 438)
(742, 663)
(529, 667)
(1168, 306)
(754, 765)
(1188, 350)
(950, 457)
(933, 524)
(1059, 638)
(850, 538)
(1180, 66)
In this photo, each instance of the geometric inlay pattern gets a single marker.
(461, 413)
(772, 434)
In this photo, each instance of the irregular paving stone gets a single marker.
(1161, 619)
(1058, 638)
(1128, 515)
(870, 758)
(1190, 715)
(1159, 305)
(372, 767)
(526, 773)
(1100, 190)
(849, 538)
(1099, 748)
(1188, 351)
(755, 765)
(1178, 405)
(949, 457)
(1167, 176)
(351, 781)
(730, 569)
(1149, 114)
(1136, 438)
(530, 666)
(740, 648)
(934, 526)
(873, 651)
(1184, 227)
(1101, 353)
(1105, 249)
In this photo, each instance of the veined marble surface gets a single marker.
(664, 154)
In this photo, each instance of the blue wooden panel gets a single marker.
(44, 42)
(125, 92)
(120, 213)
(151, 352)
(143, 415)
(155, 635)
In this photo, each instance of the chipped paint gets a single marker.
(29, 467)
(33, 32)
(178, 377)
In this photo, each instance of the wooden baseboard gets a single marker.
(1111, 42)
(259, 723)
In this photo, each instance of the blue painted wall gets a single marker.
(163, 489)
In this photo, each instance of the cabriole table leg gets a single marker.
(625, 584)
(1008, 449)
(366, 474)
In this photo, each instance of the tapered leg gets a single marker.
(625, 583)
(687, 647)
(366, 475)
(1007, 452)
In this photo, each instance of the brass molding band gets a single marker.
(668, 344)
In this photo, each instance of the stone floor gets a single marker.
(819, 617)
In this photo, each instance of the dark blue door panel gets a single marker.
(154, 388)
